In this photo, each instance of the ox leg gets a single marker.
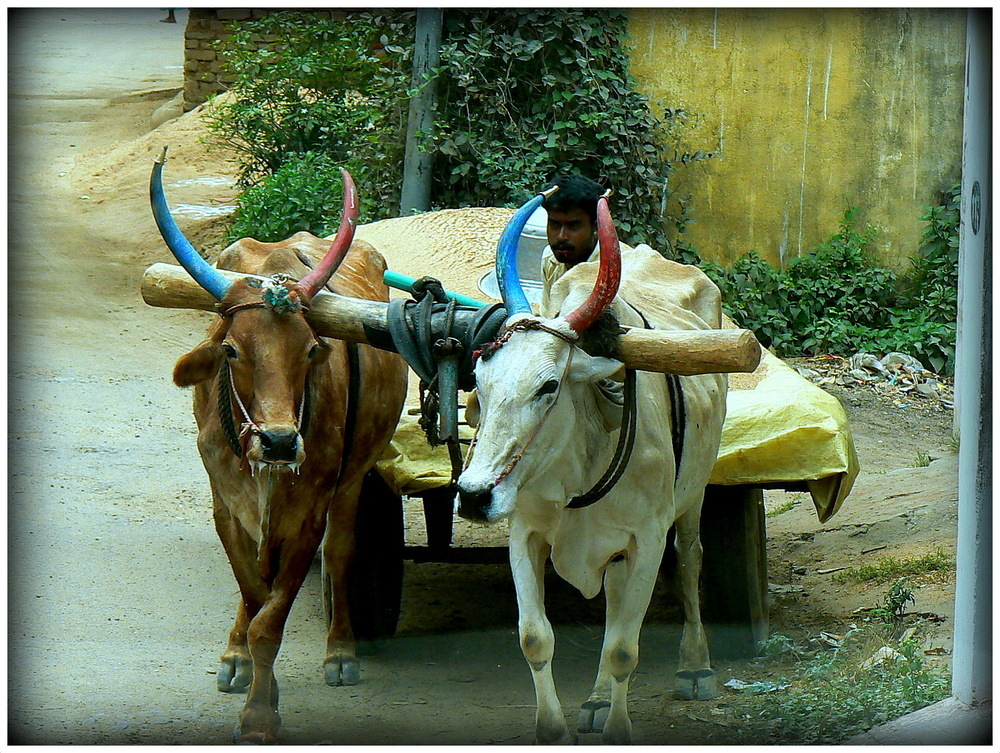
(528, 552)
(341, 664)
(259, 720)
(695, 678)
(236, 667)
(628, 586)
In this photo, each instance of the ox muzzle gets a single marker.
(475, 502)
(275, 448)
(279, 445)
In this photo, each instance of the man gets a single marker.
(571, 229)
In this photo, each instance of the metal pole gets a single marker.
(416, 190)
(972, 660)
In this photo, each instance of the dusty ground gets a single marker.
(120, 597)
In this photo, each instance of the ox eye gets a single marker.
(229, 350)
(313, 351)
(548, 388)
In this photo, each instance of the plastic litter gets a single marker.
(754, 688)
(884, 654)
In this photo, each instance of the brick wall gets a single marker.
(204, 70)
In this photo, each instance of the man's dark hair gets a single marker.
(575, 191)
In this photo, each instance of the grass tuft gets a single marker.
(891, 568)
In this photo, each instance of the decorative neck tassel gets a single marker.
(280, 299)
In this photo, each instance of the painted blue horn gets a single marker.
(203, 273)
(509, 283)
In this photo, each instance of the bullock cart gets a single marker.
(781, 432)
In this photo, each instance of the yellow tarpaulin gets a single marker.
(780, 429)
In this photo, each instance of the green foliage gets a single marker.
(836, 299)
(886, 569)
(832, 698)
(824, 302)
(522, 94)
(323, 91)
(893, 606)
(526, 93)
(305, 193)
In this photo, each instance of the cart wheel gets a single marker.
(734, 570)
(375, 579)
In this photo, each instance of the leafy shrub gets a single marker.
(305, 193)
(836, 299)
(525, 93)
(822, 303)
(522, 94)
(321, 86)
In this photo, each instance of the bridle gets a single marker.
(227, 394)
(626, 434)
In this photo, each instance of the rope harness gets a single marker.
(239, 440)
(439, 338)
(626, 434)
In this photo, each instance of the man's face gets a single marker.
(571, 235)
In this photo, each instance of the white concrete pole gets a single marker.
(973, 660)
(415, 195)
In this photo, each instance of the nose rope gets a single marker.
(249, 427)
(516, 458)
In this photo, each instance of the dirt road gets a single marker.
(120, 597)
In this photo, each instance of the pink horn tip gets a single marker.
(311, 284)
(609, 276)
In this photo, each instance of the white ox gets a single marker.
(548, 429)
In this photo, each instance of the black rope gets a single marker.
(623, 450)
(678, 414)
(226, 410)
(438, 338)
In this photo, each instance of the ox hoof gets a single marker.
(593, 716)
(621, 736)
(343, 672)
(566, 737)
(257, 728)
(235, 674)
(696, 685)
(252, 738)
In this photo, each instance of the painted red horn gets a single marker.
(311, 284)
(608, 278)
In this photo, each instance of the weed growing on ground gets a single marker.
(783, 507)
(894, 605)
(837, 693)
(891, 568)
(922, 459)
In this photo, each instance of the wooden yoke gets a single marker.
(686, 352)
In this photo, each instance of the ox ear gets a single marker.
(202, 362)
(199, 365)
(596, 368)
(472, 410)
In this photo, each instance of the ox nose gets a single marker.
(473, 503)
(279, 445)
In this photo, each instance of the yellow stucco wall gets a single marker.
(806, 112)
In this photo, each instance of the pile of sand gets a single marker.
(122, 171)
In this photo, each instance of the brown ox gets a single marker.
(289, 424)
